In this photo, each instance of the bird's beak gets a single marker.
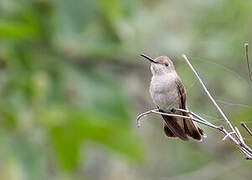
(149, 58)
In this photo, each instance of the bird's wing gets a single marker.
(174, 127)
(192, 129)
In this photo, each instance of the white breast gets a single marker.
(164, 92)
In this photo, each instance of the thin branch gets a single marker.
(155, 111)
(142, 115)
(243, 147)
(228, 134)
(239, 142)
(247, 58)
(246, 128)
(198, 117)
(209, 95)
(220, 128)
(239, 134)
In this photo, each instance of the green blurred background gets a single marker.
(72, 84)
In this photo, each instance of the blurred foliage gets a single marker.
(50, 108)
(61, 96)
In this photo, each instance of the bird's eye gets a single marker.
(166, 64)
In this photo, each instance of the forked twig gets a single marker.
(197, 118)
(208, 94)
(247, 58)
(237, 140)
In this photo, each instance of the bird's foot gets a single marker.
(173, 110)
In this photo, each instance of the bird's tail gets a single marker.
(192, 129)
(182, 128)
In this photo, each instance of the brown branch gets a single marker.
(247, 58)
(246, 128)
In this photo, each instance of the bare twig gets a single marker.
(144, 114)
(155, 111)
(239, 134)
(247, 58)
(246, 150)
(198, 117)
(208, 94)
(228, 134)
(246, 128)
(238, 141)
(220, 128)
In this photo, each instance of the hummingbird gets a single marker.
(168, 93)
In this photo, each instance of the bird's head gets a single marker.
(160, 65)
